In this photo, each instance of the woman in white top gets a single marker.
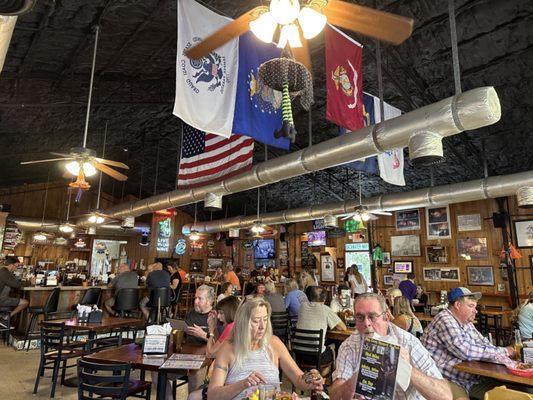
(226, 290)
(254, 356)
(356, 281)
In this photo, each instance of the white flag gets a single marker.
(391, 162)
(205, 88)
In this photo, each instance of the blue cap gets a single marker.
(459, 292)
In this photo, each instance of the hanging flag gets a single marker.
(257, 107)
(205, 88)
(344, 80)
(207, 158)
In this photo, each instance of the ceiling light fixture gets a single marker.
(39, 236)
(96, 219)
(289, 34)
(257, 227)
(66, 228)
(311, 20)
(194, 236)
(73, 167)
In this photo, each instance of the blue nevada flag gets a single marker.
(220, 93)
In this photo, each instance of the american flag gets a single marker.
(207, 158)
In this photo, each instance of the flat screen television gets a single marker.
(264, 248)
(403, 267)
(316, 238)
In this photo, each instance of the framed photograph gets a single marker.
(432, 274)
(197, 266)
(480, 276)
(436, 254)
(501, 287)
(472, 249)
(327, 268)
(469, 222)
(388, 280)
(451, 274)
(438, 223)
(408, 220)
(524, 233)
(386, 258)
(406, 245)
(214, 263)
(403, 267)
(340, 263)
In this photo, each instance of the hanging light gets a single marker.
(264, 27)
(357, 216)
(311, 21)
(73, 167)
(39, 236)
(66, 228)
(365, 216)
(289, 34)
(257, 227)
(194, 236)
(96, 219)
(284, 11)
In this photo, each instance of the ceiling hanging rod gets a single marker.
(97, 33)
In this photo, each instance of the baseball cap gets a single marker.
(458, 292)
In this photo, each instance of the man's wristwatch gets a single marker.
(208, 335)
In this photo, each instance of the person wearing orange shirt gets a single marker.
(232, 277)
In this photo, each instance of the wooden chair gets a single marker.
(280, 325)
(50, 306)
(186, 300)
(501, 392)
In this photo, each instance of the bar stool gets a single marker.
(126, 302)
(91, 296)
(50, 306)
(159, 303)
(5, 312)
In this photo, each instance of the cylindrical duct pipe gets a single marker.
(469, 110)
(213, 202)
(524, 196)
(496, 186)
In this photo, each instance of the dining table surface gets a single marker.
(105, 324)
(494, 371)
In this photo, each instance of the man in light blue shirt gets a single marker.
(293, 299)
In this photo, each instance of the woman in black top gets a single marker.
(175, 280)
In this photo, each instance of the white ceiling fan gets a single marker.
(361, 212)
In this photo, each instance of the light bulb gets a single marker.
(39, 236)
(365, 216)
(357, 216)
(284, 11)
(66, 228)
(264, 27)
(289, 33)
(96, 219)
(311, 21)
(73, 167)
(194, 236)
(257, 229)
(88, 169)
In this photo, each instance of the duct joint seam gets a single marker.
(429, 196)
(484, 187)
(302, 160)
(375, 139)
(455, 116)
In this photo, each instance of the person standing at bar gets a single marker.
(8, 282)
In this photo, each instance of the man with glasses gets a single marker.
(372, 321)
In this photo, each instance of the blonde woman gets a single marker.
(356, 281)
(305, 280)
(254, 356)
(404, 316)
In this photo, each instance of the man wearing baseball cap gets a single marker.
(452, 338)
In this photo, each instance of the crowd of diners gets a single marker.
(237, 331)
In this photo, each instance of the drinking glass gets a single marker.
(267, 392)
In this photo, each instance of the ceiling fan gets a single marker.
(296, 25)
(82, 161)
(361, 212)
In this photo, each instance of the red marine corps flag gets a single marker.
(344, 80)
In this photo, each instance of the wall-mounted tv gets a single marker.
(316, 238)
(264, 248)
(403, 267)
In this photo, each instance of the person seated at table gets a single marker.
(523, 317)
(405, 318)
(224, 314)
(218, 276)
(452, 338)
(408, 287)
(7, 282)
(277, 303)
(175, 280)
(342, 300)
(372, 321)
(294, 298)
(315, 315)
(258, 292)
(272, 275)
(157, 278)
(391, 295)
(305, 280)
(125, 279)
(226, 290)
(238, 272)
(421, 299)
(231, 277)
(254, 356)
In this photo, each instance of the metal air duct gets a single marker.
(16, 7)
(488, 188)
(468, 110)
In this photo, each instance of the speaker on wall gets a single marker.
(498, 219)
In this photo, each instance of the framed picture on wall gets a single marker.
(436, 254)
(197, 266)
(386, 258)
(524, 233)
(472, 249)
(408, 220)
(438, 223)
(340, 263)
(327, 268)
(432, 274)
(406, 245)
(448, 274)
(469, 222)
(388, 280)
(480, 275)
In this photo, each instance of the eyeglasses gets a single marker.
(373, 317)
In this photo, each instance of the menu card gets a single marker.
(377, 369)
(184, 361)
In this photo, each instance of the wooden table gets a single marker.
(132, 354)
(494, 371)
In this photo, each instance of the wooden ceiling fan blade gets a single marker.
(117, 164)
(377, 24)
(47, 160)
(110, 171)
(301, 54)
(228, 32)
